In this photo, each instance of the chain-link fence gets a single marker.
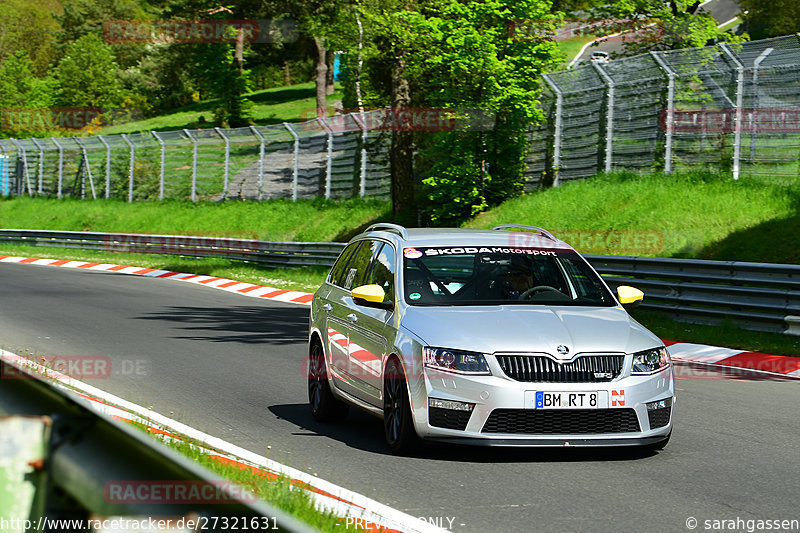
(729, 108)
(337, 157)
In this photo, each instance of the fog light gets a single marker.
(660, 404)
(450, 404)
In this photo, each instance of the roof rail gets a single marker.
(388, 226)
(542, 231)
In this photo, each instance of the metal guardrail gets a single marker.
(756, 296)
(268, 253)
(60, 457)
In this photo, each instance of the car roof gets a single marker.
(460, 237)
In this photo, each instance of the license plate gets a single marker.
(568, 400)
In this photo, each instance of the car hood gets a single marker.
(517, 328)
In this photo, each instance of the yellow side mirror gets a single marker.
(369, 293)
(629, 297)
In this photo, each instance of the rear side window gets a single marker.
(383, 271)
(358, 272)
(339, 270)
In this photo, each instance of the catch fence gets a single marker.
(731, 108)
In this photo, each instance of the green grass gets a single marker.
(271, 106)
(276, 220)
(277, 490)
(692, 215)
(570, 47)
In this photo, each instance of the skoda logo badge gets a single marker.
(562, 350)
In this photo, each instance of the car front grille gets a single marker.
(659, 417)
(543, 369)
(562, 421)
(448, 418)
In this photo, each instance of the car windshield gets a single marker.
(494, 276)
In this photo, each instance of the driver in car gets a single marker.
(517, 279)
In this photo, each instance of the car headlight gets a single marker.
(650, 361)
(456, 361)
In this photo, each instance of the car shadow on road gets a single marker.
(365, 432)
(248, 324)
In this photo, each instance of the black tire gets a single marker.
(325, 407)
(398, 424)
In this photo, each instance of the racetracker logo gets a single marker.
(82, 367)
(178, 492)
(179, 244)
(200, 31)
(403, 119)
(762, 120)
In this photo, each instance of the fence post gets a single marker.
(754, 127)
(23, 156)
(556, 128)
(227, 161)
(737, 121)
(130, 166)
(260, 159)
(163, 164)
(88, 169)
(60, 165)
(329, 168)
(194, 164)
(108, 166)
(670, 116)
(362, 179)
(609, 115)
(296, 166)
(41, 165)
(5, 172)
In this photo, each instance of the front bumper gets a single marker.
(622, 420)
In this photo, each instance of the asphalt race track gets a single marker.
(721, 10)
(233, 367)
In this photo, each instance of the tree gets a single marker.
(771, 18)
(29, 26)
(455, 57)
(89, 75)
(19, 88)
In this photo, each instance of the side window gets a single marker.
(383, 270)
(359, 267)
(339, 270)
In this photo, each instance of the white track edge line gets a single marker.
(360, 506)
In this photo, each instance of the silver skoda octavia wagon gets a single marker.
(488, 337)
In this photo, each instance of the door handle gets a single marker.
(352, 317)
(327, 307)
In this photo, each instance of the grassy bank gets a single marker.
(694, 215)
(271, 106)
(276, 220)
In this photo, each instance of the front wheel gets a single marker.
(398, 423)
(324, 406)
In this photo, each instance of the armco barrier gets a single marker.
(66, 462)
(757, 296)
